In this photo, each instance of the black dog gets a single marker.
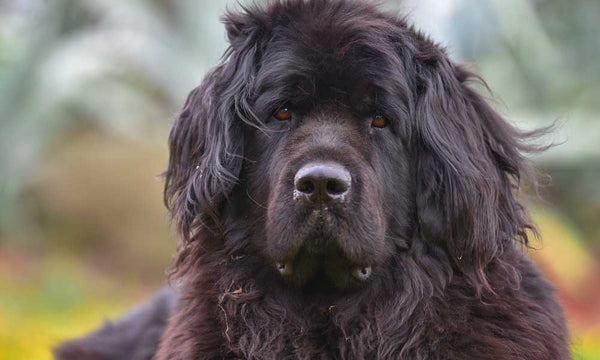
(341, 193)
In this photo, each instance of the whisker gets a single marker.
(254, 201)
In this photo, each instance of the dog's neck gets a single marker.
(258, 315)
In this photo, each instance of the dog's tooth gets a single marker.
(362, 273)
(284, 268)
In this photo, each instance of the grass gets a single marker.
(46, 303)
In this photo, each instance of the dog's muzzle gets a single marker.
(322, 191)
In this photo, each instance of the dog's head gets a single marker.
(340, 136)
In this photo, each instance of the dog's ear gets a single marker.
(469, 166)
(206, 142)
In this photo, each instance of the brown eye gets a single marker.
(379, 121)
(283, 113)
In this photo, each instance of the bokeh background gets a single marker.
(89, 89)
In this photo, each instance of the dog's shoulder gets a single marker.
(134, 336)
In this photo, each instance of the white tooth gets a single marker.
(284, 268)
(362, 272)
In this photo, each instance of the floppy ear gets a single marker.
(206, 142)
(469, 166)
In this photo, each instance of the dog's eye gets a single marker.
(283, 113)
(379, 121)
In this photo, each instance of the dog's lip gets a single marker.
(359, 271)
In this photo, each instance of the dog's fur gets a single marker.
(433, 207)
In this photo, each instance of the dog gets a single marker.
(342, 192)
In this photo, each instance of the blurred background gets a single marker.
(89, 90)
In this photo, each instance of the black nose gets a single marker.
(322, 183)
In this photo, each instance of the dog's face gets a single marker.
(328, 172)
(341, 137)
(328, 185)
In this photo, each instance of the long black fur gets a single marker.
(435, 207)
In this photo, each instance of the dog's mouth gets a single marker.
(322, 253)
(329, 267)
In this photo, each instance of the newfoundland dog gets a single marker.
(341, 192)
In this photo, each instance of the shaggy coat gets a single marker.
(420, 257)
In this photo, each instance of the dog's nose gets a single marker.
(322, 183)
